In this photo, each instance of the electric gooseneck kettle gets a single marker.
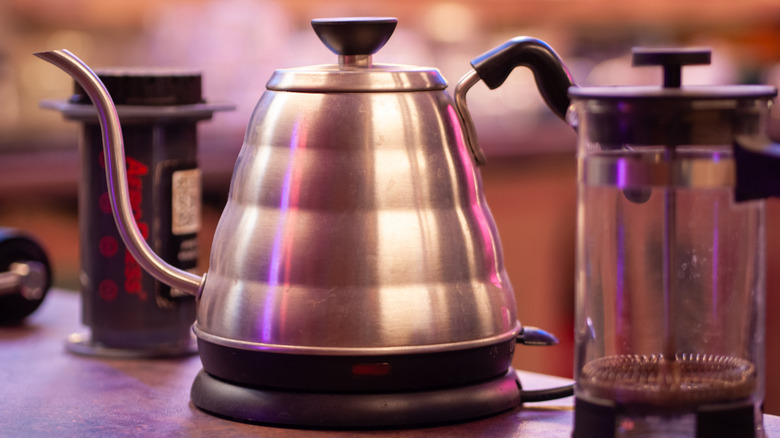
(356, 275)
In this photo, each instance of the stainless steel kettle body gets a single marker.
(356, 224)
(356, 251)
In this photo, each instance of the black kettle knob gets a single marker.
(354, 36)
(672, 61)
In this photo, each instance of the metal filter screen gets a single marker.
(653, 380)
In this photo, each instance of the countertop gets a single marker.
(45, 390)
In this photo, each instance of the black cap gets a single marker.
(147, 87)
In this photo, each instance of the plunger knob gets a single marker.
(354, 36)
(672, 61)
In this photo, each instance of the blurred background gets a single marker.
(530, 178)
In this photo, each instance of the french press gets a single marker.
(670, 246)
(670, 255)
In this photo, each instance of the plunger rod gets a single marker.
(669, 267)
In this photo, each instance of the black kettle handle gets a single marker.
(552, 77)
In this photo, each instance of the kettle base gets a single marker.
(365, 373)
(355, 410)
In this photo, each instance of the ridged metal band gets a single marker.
(357, 351)
(632, 171)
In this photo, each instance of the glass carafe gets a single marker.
(670, 258)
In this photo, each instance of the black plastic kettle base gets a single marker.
(355, 410)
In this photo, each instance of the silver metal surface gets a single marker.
(356, 224)
(27, 278)
(354, 77)
(464, 85)
(116, 174)
(360, 61)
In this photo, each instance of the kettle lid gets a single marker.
(355, 40)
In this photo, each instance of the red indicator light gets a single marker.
(371, 369)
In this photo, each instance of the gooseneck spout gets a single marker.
(116, 174)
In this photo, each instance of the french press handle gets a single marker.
(757, 173)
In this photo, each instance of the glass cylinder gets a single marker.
(670, 284)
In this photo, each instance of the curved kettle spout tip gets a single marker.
(116, 173)
(52, 55)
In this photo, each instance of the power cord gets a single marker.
(541, 395)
